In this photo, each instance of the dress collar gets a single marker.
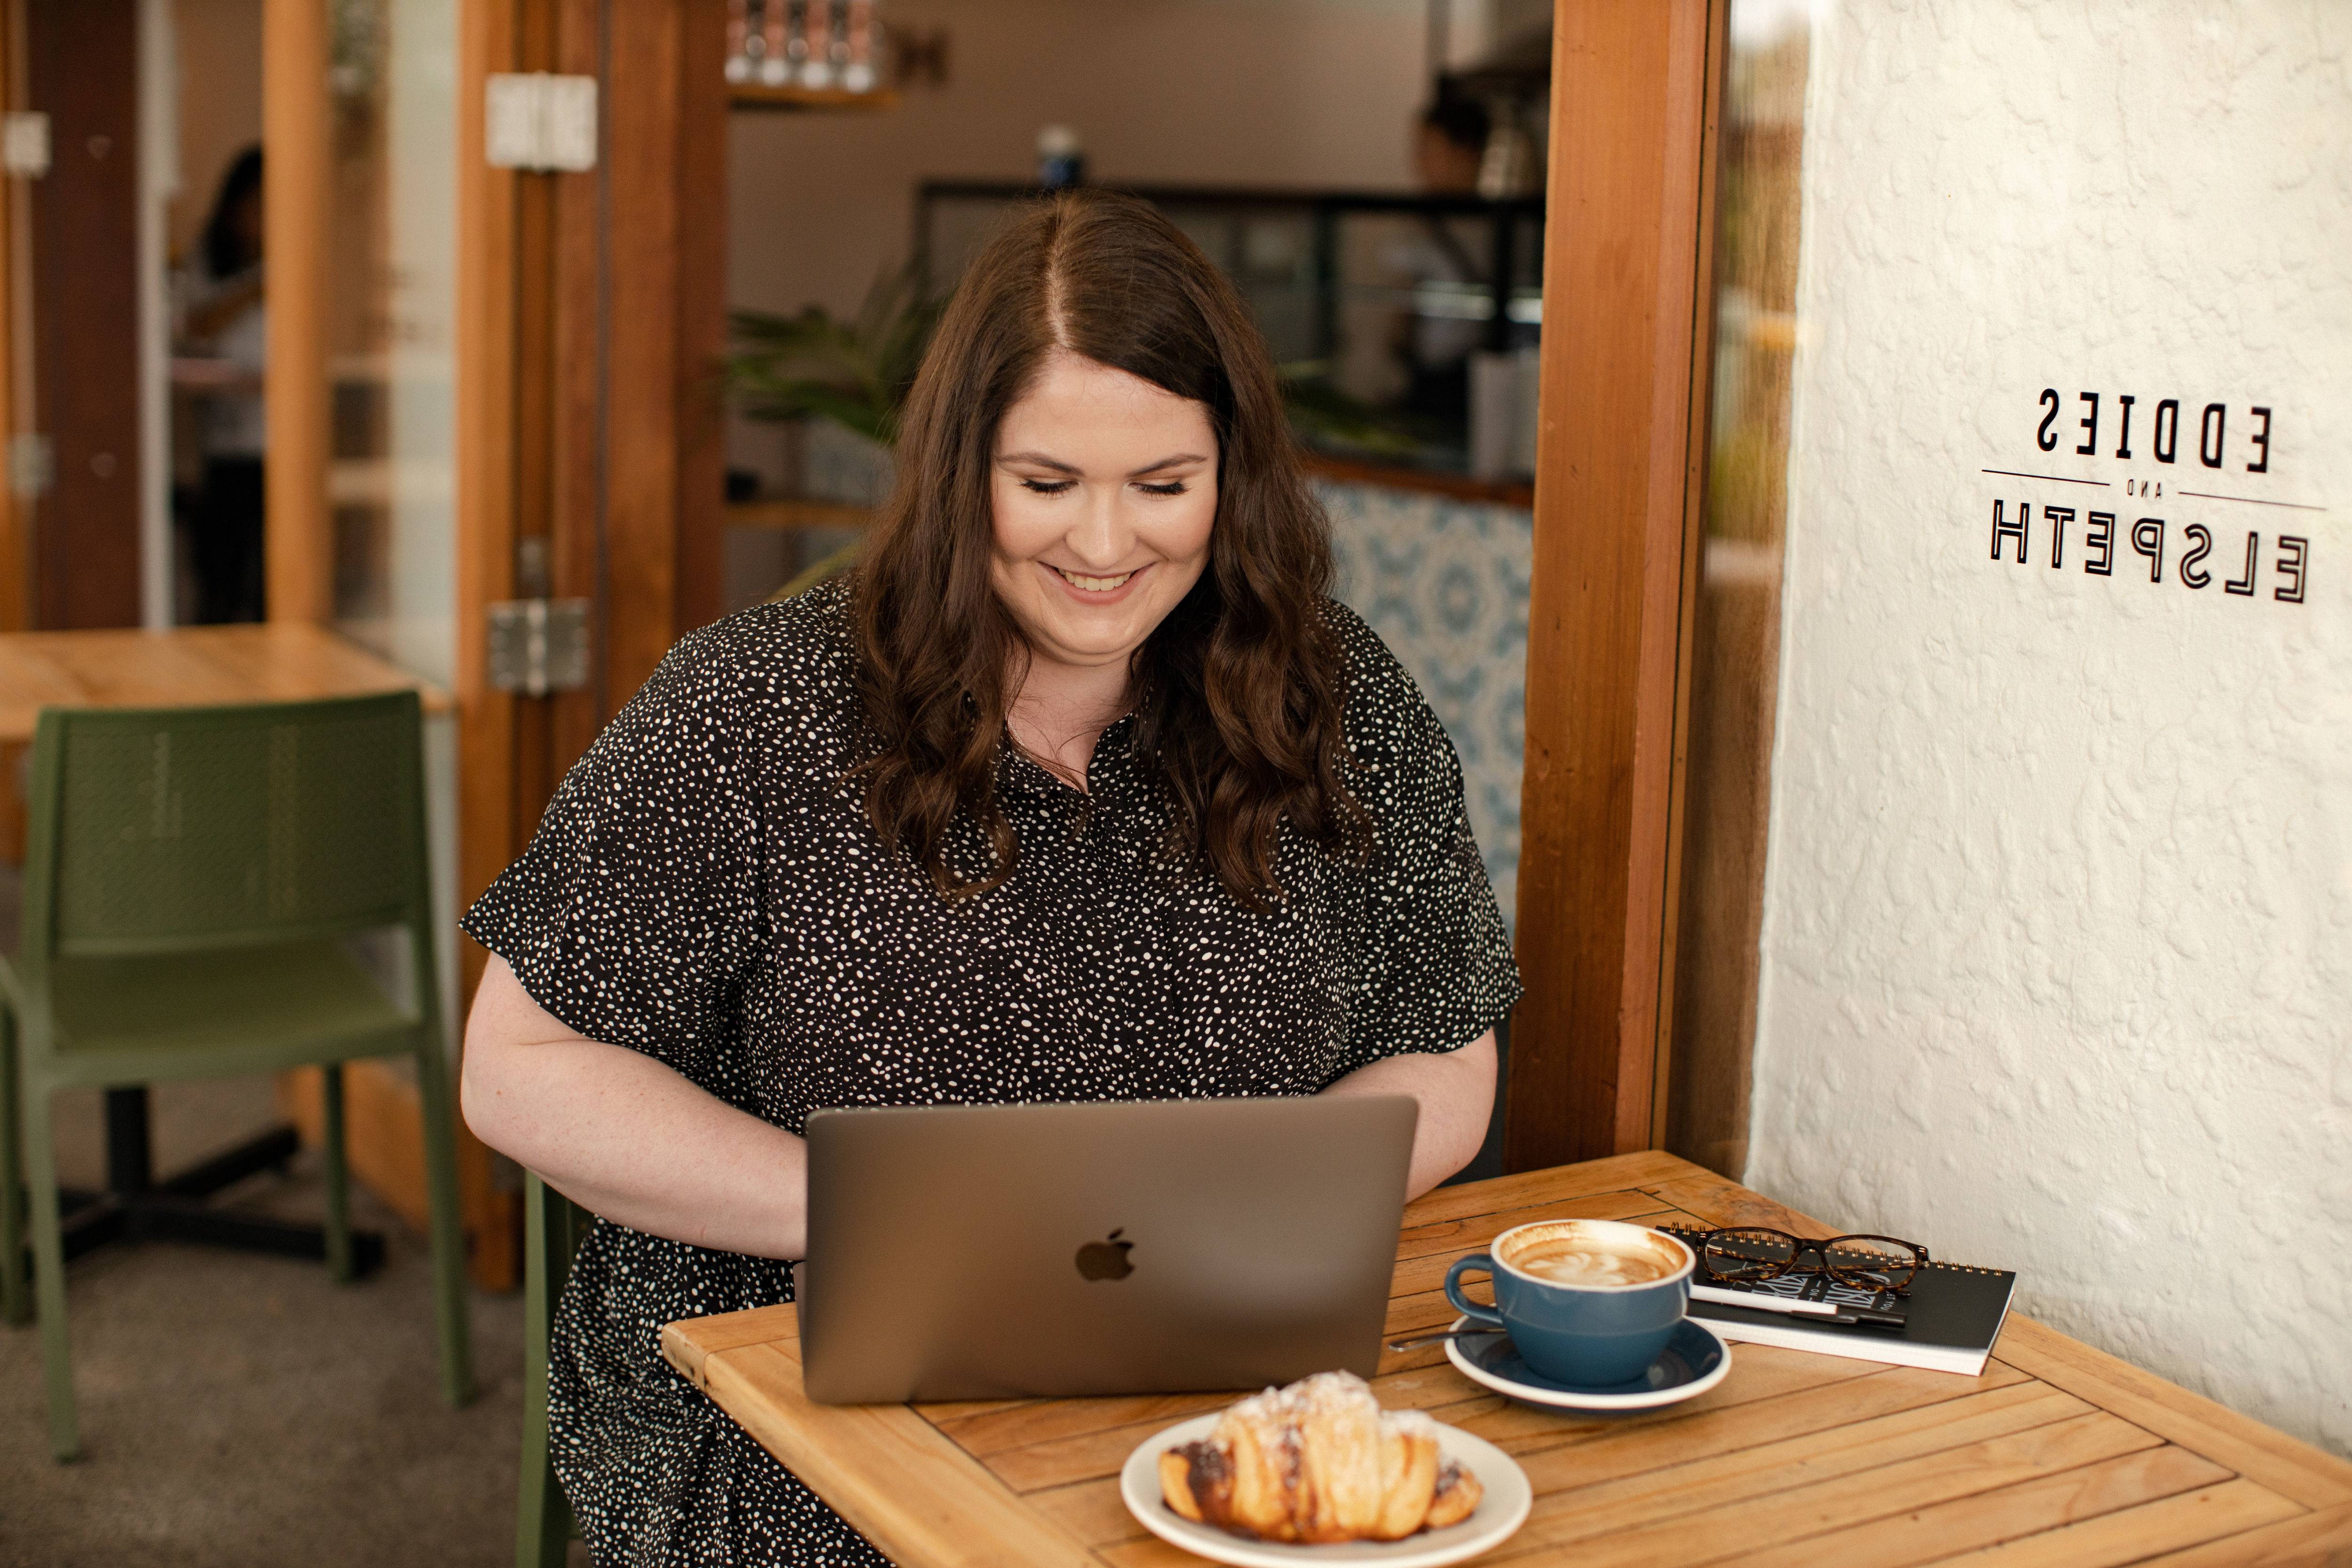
(1111, 772)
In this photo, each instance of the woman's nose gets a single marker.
(1103, 534)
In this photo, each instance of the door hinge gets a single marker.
(25, 143)
(32, 464)
(539, 646)
(537, 121)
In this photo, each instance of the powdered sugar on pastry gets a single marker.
(1319, 1462)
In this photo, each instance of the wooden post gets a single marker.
(1622, 441)
(296, 132)
(591, 308)
(663, 436)
(16, 367)
(16, 378)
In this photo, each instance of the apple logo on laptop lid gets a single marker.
(1107, 1258)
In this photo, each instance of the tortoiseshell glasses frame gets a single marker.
(1745, 1254)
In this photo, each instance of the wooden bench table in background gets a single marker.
(2057, 1455)
(186, 667)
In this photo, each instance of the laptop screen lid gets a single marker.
(1010, 1251)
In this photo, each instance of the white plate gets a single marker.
(1501, 1511)
(1694, 1359)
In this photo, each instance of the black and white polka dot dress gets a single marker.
(705, 889)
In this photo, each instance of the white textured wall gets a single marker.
(2057, 953)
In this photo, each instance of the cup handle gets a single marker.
(1470, 1310)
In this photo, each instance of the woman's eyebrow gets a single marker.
(1043, 461)
(1039, 459)
(1178, 460)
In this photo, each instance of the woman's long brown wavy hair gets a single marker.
(1238, 690)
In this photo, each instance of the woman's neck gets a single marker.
(1061, 710)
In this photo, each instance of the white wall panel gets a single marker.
(2057, 950)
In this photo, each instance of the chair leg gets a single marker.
(339, 1185)
(542, 1519)
(448, 1239)
(50, 1274)
(16, 1291)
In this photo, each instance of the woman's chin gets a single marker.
(1086, 647)
(1082, 635)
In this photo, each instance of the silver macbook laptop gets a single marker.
(1006, 1251)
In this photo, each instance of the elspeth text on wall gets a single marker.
(2233, 534)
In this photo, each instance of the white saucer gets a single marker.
(1501, 1511)
(1694, 1361)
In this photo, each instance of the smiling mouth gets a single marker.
(1094, 584)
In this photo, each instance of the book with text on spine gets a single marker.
(1952, 1315)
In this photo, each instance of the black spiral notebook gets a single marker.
(1951, 1316)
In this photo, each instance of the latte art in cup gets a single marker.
(1586, 1301)
(1576, 1262)
(1593, 1254)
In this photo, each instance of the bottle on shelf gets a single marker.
(776, 58)
(742, 65)
(817, 44)
(861, 70)
(1061, 158)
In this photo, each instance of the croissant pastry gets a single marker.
(1316, 1463)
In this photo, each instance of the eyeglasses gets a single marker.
(1748, 1253)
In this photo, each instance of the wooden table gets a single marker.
(188, 667)
(2058, 1454)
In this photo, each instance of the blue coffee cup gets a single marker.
(1588, 1332)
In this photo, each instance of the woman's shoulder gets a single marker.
(784, 672)
(1386, 721)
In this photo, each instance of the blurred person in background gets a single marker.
(224, 348)
(1449, 139)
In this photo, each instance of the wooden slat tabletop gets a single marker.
(186, 667)
(2057, 1455)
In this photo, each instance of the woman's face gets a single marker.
(1105, 488)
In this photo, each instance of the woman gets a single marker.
(1079, 789)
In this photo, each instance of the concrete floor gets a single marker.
(242, 1411)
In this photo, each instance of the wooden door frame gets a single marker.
(1636, 101)
(591, 314)
(16, 385)
(298, 151)
(84, 254)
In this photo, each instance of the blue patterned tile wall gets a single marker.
(1445, 582)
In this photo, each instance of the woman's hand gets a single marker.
(1456, 1091)
(623, 1136)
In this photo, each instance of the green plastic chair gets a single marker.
(553, 1227)
(189, 876)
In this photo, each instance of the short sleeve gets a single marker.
(635, 912)
(1435, 970)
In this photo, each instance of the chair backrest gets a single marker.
(178, 830)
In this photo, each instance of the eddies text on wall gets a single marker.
(2068, 523)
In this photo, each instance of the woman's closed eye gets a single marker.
(1055, 487)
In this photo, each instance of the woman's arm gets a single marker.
(623, 1136)
(633, 1140)
(1456, 1091)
